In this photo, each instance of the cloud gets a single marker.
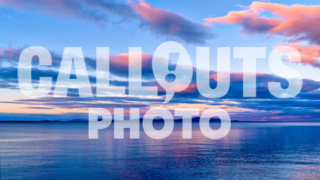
(297, 22)
(9, 53)
(97, 11)
(309, 54)
(119, 73)
(238, 108)
(249, 20)
(265, 105)
(159, 21)
(167, 23)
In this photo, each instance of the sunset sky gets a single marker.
(121, 24)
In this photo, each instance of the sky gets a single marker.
(121, 24)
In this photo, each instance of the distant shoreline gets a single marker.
(157, 121)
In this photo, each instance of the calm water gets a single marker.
(250, 151)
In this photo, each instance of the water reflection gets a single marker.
(249, 151)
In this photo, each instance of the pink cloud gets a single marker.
(167, 23)
(9, 52)
(309, 54)
(122, 60)
(249, 20)
(298, 22)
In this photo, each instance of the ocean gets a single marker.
(259, 150)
